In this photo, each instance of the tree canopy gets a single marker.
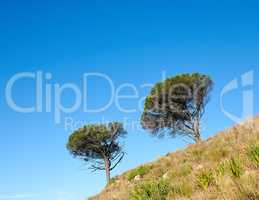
(176, 105)
(98, 144)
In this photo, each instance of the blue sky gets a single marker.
(129, 41)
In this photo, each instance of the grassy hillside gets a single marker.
(225, 166)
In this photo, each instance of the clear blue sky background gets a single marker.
(130, 41)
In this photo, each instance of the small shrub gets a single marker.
(221, 169)
(197, 155)
(182, 189)
(141, 171)
(219, 153)
(154, 190)
(113, 180)
(248, 187)
(205, 179)
(185, 170)
(158, 172)
(253, 154)
(236, 167)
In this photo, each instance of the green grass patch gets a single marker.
(205, 179)
(182, 189)
(253, 154)
(154, 190)
(236, 167)
(141, 171)
(221, 169)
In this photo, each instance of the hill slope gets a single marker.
(225, 166)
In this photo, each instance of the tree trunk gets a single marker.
(107, 170)
(196, 126)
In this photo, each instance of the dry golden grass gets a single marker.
(222, 167)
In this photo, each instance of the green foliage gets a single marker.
(89, 141)
(98, 144)
(236, 167)
(153, 190)
(177, 105)
(181, 189)
(253, 154)
(141, 171)
(221, 170)
(205, 179)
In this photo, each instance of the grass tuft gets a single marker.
(140, 171)
(153, 190)
(205, 179)
(236, 167)
(253, 154)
